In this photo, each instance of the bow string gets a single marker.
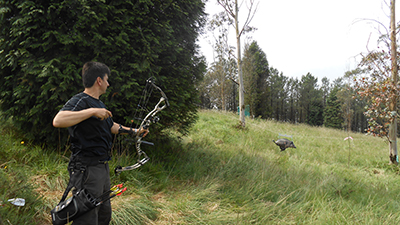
(145, 121)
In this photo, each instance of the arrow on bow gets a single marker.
(146, 122)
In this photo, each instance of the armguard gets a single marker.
(125, 131)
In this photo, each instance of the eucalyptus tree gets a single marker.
(394, 78)
(216, 89)
(380, 87)
(231, 16)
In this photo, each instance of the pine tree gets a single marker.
(256, 68)
(332, 111)
(311, 100)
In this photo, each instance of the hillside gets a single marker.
(219, 174)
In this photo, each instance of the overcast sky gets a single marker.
(317, 36)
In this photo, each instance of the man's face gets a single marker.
(104, 84)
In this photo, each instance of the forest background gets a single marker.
(337, 103)
(270, 94)
(44, 44)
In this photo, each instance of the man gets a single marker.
(91, 127)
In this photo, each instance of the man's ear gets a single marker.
(99, 80)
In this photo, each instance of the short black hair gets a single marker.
(91, 70)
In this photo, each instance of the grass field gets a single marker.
(219, 174)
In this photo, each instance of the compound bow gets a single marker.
(146, 121)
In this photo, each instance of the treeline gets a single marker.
(270, 94)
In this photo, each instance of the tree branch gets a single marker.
(249, 18)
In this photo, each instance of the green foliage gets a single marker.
(216, 89)
(332, 111)
(45, 43)
(311, 100)
(278, 94)
(315, 114)
(256, 76)
(374, 84)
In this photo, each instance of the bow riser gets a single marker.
(148, 119)
(157, 108)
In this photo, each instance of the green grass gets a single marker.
(219, 174)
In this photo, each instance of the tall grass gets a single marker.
(219, 174)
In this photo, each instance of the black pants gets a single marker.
(97, 181)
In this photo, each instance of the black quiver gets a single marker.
(80, 202)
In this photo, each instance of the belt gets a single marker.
(92, 161)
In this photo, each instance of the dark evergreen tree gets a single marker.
(45, 43)
(332, 112)
(310, 101)
(293, 100)
(325, 90)
(315, 113)
(278, 94)
(256, 76)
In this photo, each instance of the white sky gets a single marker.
(317, 36)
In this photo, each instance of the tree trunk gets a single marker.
(393, 101)
(239, 63)
(223, 96)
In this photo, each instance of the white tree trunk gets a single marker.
(393, 103)
(239, 63)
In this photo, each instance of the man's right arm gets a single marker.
(67, 118)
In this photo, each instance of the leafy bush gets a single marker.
(45, 43)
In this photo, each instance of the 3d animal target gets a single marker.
(284, 143)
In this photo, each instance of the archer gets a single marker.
(90, 126)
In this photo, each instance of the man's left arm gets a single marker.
(119, 129)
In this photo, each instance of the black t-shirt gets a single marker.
(92, 136)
